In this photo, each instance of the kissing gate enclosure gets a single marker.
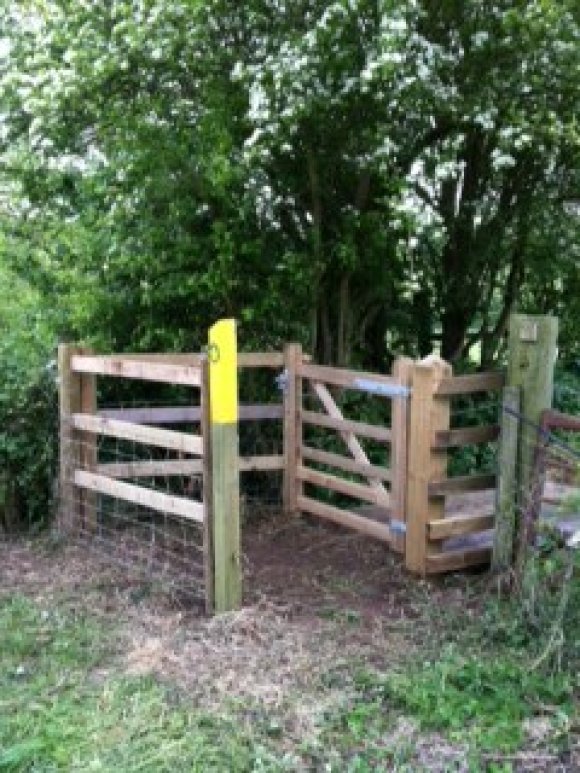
(154, 480)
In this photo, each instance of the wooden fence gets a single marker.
(386, 478)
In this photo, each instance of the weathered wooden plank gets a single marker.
(188, 414)
(455, 438)
(345, 464)
(139, 433)
(345, 518)
(461, 484)
(350, 379)
(272, 360)
(558, 420)
(340, 485)
(151, 469)
(261, 463)
(382, 434)
(455, 560)
(154, 500)
(168, 373)
(349, 439)
(459, 525)
(466, 385)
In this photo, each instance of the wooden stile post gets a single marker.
(292, 427)
(428, 415)
(223, 379)
(505, 505)
(402, 370)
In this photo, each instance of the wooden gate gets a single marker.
(365, 494)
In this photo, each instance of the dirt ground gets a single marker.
(318, 602)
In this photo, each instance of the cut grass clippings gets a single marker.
(57, 712)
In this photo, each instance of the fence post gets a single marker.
(505, 498)
(70, 401)
(532, 356)
(77, 394)
(223, 380)
(292, 427)
(207, 489)
(402, 371)
(428, 415)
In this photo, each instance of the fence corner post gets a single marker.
(292, 427)
(223, 383)
(533, 347)
(427, 415)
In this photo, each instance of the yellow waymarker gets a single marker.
(223, 392)
(223, 372)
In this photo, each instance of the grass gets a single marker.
(60, 709)
(477, 683)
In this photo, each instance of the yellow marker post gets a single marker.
(223, 391)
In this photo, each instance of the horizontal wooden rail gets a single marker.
(454, 560)
(466, 385)
(139, 433)
(272, 360)
(340, 485)
(345, 518)
(151, 468)
(455, 438)
(459, 525)
(382, 434)
(188, 414)
(154, 500)
(557, 420)
(345, 464)
(261, 463)
(183, 467)
(350, 379)
(167, 373)
(461, 485)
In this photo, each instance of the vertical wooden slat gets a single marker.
(427, 415)
(402, 371)
(222, 355)
(292, 428)
(70, 400)
(207, 488)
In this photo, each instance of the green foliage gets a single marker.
(28, 407)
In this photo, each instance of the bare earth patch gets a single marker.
(319, 604)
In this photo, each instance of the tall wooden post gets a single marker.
(428, 415)
(505, 504)
(223, 378)
(533, 343)
(532, 357)
(292, 427)
(70, 402)
(403, 372)
(77, 394)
